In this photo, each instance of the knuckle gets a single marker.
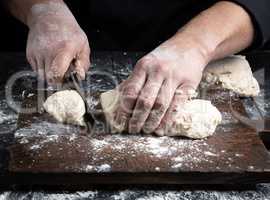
(161, 69)
(151, 125)
(160, 107)
(144, 62)
(66, 44)
(146, 102)
(130, 91)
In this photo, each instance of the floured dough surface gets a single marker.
(195, 119)
(233, 73)
(66, 107)
(110, 102)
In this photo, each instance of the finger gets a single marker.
(55, 71)
(40, 66)
(32, 62)
(181, 95)
(31, 59)
(160, 106)
(82, 62)
(129, 92)
(145, 103)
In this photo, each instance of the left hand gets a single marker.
(149, 95)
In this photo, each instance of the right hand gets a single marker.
(55, 41)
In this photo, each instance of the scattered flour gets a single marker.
(179, 165)
(100, 168)
(103, 168)
(262, 191)
(7, 117)
(44, 128)
(208, 153)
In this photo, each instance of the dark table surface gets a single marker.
(8, 120)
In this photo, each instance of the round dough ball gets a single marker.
(195, 119)
(66, 107)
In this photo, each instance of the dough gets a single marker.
(233, 73)
(110, 102)
(66, 107)
(194, 119)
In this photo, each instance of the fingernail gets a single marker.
(133, 128)
(121, 122)
(147, 129)
(160, 132)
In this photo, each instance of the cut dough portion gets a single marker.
(194, 119)
(110, 102)
(66, 107)
(233, 73)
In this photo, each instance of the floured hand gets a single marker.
(147, 96)
(56, 40)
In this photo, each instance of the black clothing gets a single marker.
(259, 12)
(141, 25)
(134, 24)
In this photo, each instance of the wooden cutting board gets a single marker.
(48, 153)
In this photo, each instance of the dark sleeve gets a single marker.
(259, 10)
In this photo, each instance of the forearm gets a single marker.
(21, 9)
(219, 31)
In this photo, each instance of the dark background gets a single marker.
(114, 25)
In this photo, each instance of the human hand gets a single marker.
(161, 80)
(55, 41)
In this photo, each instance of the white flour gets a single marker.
(10, 118)
(99, 168)
(262, 192)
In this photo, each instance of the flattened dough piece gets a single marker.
(195, 119)
(233, 73)
(66, 106)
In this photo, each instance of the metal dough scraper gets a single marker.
(76, 84)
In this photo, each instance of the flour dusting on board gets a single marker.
(4, 117)
(45, 131)
(45, 128)
(8, 118)
(164, 152)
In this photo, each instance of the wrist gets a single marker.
(189, 47)
(44, 9)
(201, 47)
